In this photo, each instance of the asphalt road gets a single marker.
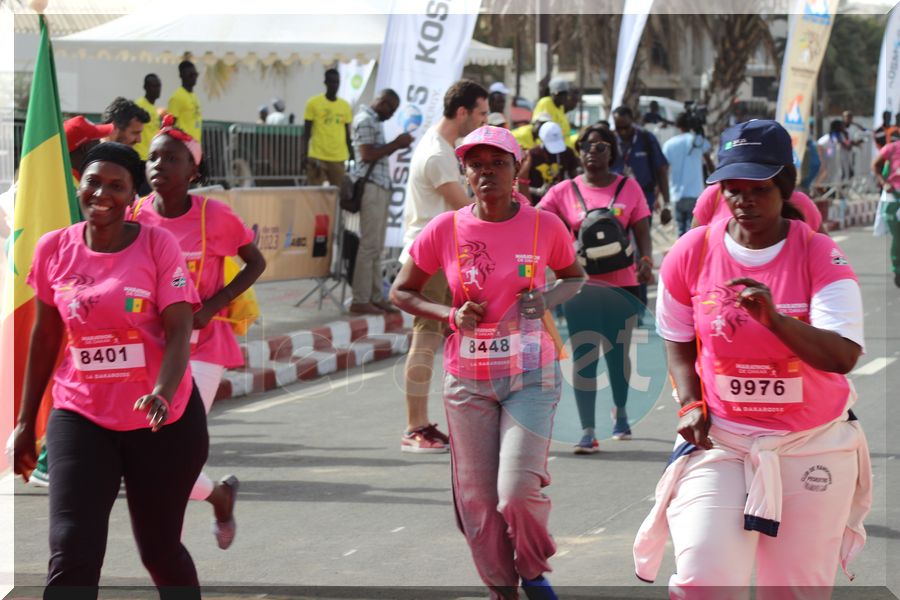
(330, 508)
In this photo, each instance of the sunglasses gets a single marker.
(586, 146)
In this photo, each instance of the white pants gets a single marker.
(706, 520)
(207, 376)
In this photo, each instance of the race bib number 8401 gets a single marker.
(111, 356)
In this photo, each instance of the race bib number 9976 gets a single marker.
(747, 386)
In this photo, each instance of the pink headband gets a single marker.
(170, 130)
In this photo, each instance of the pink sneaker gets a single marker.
(425, 440)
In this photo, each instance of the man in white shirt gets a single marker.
(435, 185)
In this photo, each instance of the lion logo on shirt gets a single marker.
(475, 264)
(73, 290)
(722, 302)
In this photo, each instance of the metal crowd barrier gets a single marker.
(264, 154)
(215, 154)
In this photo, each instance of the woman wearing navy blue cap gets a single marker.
(762, 319)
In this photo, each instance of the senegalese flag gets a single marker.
(134, 305)
(45, 200)
(526, 270)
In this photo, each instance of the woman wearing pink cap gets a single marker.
(207, 231)
(502, 381)
(762, 319)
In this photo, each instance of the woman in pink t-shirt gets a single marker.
(501, 382)
(616, 291)
(172, 165)
(125, 407)
(762, 319)
(711, 206)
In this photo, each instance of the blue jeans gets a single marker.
(684, 214)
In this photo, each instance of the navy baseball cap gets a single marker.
(756, 150)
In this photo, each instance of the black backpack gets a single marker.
(603, 244)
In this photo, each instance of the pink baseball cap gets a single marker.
(498, 137)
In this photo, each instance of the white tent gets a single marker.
(149, 36)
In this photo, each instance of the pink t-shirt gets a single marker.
(496, 261)
(711, 207)
(630, 207)
(111, 305)
(748, 374)
(891, 153)
(225, 233)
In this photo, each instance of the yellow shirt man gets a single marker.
(150, 129)
(329, 128)
(185, 107)
(558, 113)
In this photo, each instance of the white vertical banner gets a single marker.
(354, 77)
(887, 88)
(423, 54)
(634, 18)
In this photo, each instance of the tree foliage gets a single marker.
(851, 64)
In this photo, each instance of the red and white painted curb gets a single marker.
(307, 354)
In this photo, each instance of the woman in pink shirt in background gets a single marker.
(502, 381)
(172, 165)
(124, 404)
(762, 319)
(610, 303)
(711, 206)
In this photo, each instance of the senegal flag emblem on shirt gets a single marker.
(134, 305)
(526, 270)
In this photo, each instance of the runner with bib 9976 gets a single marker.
(502, 380)
(763, 319)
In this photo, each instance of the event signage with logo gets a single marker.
(887, 89)
(423, 54)
(809, 29)
(354, 77)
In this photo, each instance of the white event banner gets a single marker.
(634, 18)
(423, 54)
(354, 77)
(887, 88)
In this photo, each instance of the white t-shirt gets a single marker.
(433, 164)
(836, 307)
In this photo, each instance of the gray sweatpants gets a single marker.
(499, 442)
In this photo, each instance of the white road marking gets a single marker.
(840, 238)
(597, 531)
(346, 554)
(561, 554)
(398, 529)
(661, 407)
(313, 391)
(551, 458)
(873, 366)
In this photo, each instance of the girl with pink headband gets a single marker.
(207, 231)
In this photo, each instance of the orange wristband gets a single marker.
(691, 406)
